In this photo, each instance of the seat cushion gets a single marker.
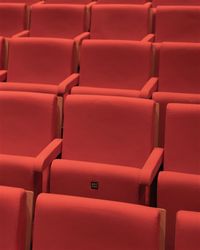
(29, 87)
(110, 182)
(105, 91)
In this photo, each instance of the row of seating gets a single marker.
(108, 150)
(115, 68)
(154, 2)
(122, 22)
(67, 222)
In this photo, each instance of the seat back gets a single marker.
(113, 130)
(13, 19)
(68, 1)
(68, 222)
(122, 22)
(55, 20)
(182, 138)
(115, 64)
(179, 65)
(122, 1)
(27, 2)
(175, 2)
(40, 60)
(13, 218)
(177, 24)
(28, 122)
(187, 230)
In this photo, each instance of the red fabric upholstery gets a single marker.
(29, 120)
(117, 65)
(68, 1)
(108, 140)
(175, 2)
(29, 125)
(111, 21)
(123, 1)
(67, 222)
(28, 2)
(177, 24)
(13, 19)
(177, 191)
(179, 184)
(36, 60)
(187, 230)
(12, 218)
(39, 64)
(179, 68)
(182, 138)
(130, 122)
(55, 20)
(119, 183)
(178, 77)
(163, 98)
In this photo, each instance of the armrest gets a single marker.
(47, 155)
(3, 75)
(78, 39)
(151, 166)
(24, 33)
(68, 83)
(150, 87)
(89, 5)
(148, 38)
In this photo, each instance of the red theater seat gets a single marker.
(108, 148)
(13, 19)
(28, 130)
(67, 222)
(187, 230)
(61, 21)
(179, 77)
(175, 2)
(177, 24)
(179, 183)
(120, 68)
(122, 22)
(13, 218)
(40, 65)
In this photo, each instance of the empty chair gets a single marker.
(56, 20)
(67, 222)
(175, 2)
(122, 22)
(120, 68)
(28, 143)
(177, 24)
(40, 65)
(187, 230)
(14, 218)
(179, 183)
(178, 77)
(123, 1)
(108, 148)
(13, 19)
